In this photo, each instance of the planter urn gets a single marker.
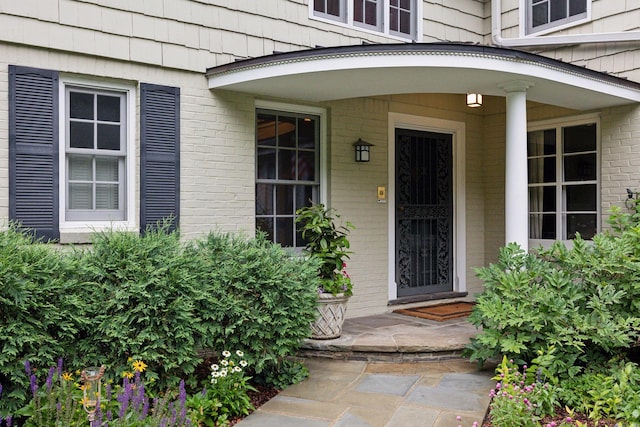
(331, 312)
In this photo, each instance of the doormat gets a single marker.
(440, 312)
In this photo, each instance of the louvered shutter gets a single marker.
(33, 150)
(159, 155)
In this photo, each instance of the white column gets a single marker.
(516, 189)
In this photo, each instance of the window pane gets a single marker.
(109, 108)
(358, 11)
(542, 199)
(81, 105)
(284, 231)
(393, 19)
(108, 137)
(107, 169)
(307, 133)
(558, 10)
(287, 132)
(305, 195)
(405, 22)
(371, 13)
(579, 138)
(542, 170)
(284, 199)
(266, 129)
(306, 166)
(264, 199)
(266, 163)
(577, 7)
(333, 7)
(542, 226)
(585, 224)
(81, 135)
(539, 14)
(265, 225)
(80, 196)
(581, 167)
(405, 4)
(319, 6)
(580, 197)
(286, 164)
(541, 143)
(107, 196)
(80, 168)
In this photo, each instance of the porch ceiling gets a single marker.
(325, 74)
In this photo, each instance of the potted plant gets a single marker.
(328, 242)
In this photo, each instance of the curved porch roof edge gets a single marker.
(324, 74)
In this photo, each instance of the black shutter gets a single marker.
(33, 150)
(159, 155)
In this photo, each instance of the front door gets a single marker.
(424, 212)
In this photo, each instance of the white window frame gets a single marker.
(382, 28)
(70, 227)
(322, 149)
(570, 21)
(560, 183)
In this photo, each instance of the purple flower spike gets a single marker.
(60, 363)
(27, 367)
(49, 382)
(0, 389)
(33, 385)
(9, 420)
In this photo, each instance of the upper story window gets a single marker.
(397, 18)
(563, 181)
(548, 14)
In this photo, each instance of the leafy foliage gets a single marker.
(150, 298)
(571, 299)
(261, 300)
(41, 309)
(143, 294)
(328, 242)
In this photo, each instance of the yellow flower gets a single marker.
(139, 366)
(127, 374)
(67, 376)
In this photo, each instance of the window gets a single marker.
(547, 14)
(72, 160)
(332, 9)
(397, 18)
(563, 182)
(95, 154)
(287, 171)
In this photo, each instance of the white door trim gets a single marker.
(457, 131)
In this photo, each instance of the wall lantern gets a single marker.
(91, 391)
(362, 150)
(474, 100)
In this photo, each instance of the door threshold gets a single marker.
(428, 297)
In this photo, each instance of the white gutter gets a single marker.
(569, 39)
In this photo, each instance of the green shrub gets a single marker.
(41, 311)
(261, 300)
(577, 300)
(143, 297)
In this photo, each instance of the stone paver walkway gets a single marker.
(380, 394)
(388, 370)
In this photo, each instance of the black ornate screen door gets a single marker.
(424, 212)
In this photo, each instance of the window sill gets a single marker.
(83, 233)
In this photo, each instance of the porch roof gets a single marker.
(324, 74)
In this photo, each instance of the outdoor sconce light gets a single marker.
(362, 150)
(474, 100)
(91, 391)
